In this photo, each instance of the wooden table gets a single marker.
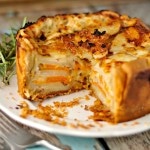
(12, 13)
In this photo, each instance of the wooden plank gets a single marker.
(135, 142)
(25, 6)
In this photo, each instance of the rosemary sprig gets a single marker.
(8, 54)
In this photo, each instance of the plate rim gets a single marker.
(70, 131)
(74, 132)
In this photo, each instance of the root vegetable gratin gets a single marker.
(104, 52)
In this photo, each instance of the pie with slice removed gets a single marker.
(104, 52)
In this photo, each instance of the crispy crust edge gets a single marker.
(21, 69)
(131, 101)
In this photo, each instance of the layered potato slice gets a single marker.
(52, 75)
(105, 52)
(67, 41)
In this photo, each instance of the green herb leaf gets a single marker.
(8, 54)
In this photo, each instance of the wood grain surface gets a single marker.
(12, 13)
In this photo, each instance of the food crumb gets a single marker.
(100, 112)
(57, 112)
(53, 113)
(135, 123)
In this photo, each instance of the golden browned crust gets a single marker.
(132, 90)
(21, 69)
(106, 50)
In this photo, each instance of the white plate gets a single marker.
(10, 99)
